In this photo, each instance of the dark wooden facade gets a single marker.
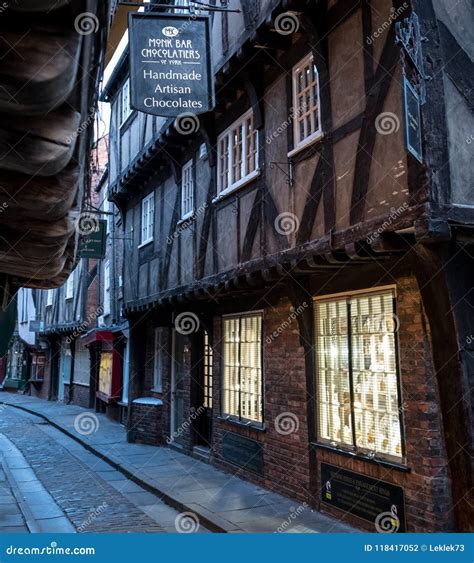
(363, 212)
(47, 105)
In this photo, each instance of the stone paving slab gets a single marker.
(185, 483)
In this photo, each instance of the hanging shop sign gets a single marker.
(376, 501)
(170, 64)
(412, 120)
(92, 242)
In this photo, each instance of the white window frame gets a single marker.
(158, 352)
(125, 109)
(350, 444)
(259, 421)
(187, 190)
(147, 219)
(49, 297)
(245, 175)
(183, 3)
(299, 113)
(107, 284)
(106, 209)
(70, 287)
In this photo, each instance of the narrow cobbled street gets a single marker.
(89, 492)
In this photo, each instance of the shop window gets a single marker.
(125, 109)
(208, 371)
(306, 104)
(237, 154)
(105, 374)
(187, 191)
(242, 363)
(49, 297)
(106, 303)
(38, 365)
(70, 286)
(148, 212)
(358, 390)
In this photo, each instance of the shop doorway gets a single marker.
(180, 359)
(203, 391)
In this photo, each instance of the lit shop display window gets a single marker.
(357, 373)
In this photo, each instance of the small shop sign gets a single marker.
(170, 64)
(243, 451)
(376, 501)
(92, 243)
(412, 120)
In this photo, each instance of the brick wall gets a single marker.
(285, 455)
(287, 461)
(427, 485)
(146, 424)
(80, 395)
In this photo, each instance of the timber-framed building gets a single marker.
(296, 261)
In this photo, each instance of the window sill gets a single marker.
(156, 390)
(362, 457)
(312, 139)
(257, 426)
(240, 184)
(186, 218)
(146, 243)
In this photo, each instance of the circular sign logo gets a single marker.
(170, 31)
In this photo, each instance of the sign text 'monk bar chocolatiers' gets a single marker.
(170, 66)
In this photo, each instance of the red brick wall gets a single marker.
(286, 456)
(427, 486)
(287, 460)
(146, 426)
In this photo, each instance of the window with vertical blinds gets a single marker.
(242, 367)
(208, 369)
(357, 373)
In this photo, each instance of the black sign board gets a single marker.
(36, 326)
(376, 501)
(243, 452)
(92, 243)
(170, 64)
(412, 120)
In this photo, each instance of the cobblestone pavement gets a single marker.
(94, 496)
